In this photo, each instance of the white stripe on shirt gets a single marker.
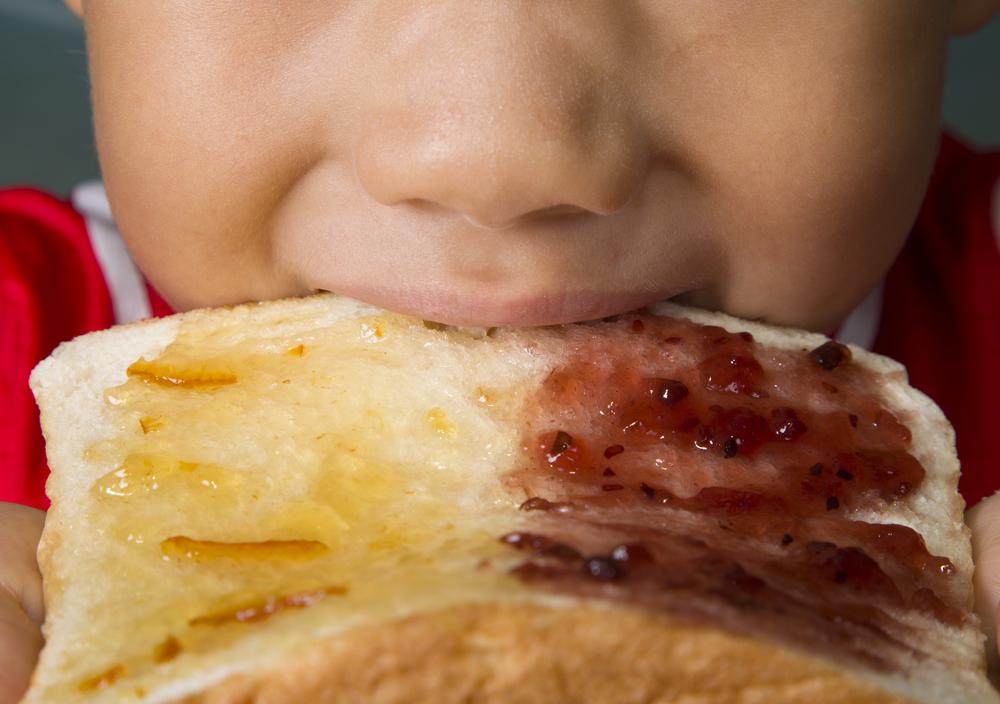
(862, 324)
(129, 297)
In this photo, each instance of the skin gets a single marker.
(21, 607)
(513, 163)
(574, 166)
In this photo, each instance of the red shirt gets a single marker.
(61, 275)
(941, 315)
(937, 312)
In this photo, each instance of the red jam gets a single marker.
(733, 471)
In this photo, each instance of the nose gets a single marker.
(512, 126)
(499, 171)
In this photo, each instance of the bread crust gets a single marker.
(536, 654)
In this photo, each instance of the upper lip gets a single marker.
(425, 261)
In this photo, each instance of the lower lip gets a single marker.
(483, 310)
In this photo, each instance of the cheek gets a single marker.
(821, 170)
(194, 180)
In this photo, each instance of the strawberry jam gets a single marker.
(736, 471)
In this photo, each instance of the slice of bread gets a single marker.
(313, 500)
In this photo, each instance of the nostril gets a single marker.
(531, 176)
(486, 222)
(490, 224)
(556, 210)
(616, 197)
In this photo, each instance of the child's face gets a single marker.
(519, 162)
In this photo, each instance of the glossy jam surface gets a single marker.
(693, 469)
(182, 547)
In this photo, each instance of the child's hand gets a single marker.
(984, 519)
(21, 606)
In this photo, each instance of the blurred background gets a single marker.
(45, 133)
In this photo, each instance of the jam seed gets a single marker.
(613, 450)
(832, 503)
(671, 392)
(845, 475)
(816, 469)
(852, 419)
(602, 568)
(649, 491)
(729, 447)
(562, 442)
(840, 577)
(787, 539)
(830, 355)
(611, 487)
(536, 503)
(608, 472)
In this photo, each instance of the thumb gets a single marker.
(21, 607)
(20, 641)
(984, 520)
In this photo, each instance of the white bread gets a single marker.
(389, 444)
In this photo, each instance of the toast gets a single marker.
(313, 500)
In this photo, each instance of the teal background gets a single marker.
(45, 133)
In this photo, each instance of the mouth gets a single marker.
(486, 308)
(565, 267)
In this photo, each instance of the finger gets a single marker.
(21, 606)
(20, 641)
(984, 520)
(20, 528)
